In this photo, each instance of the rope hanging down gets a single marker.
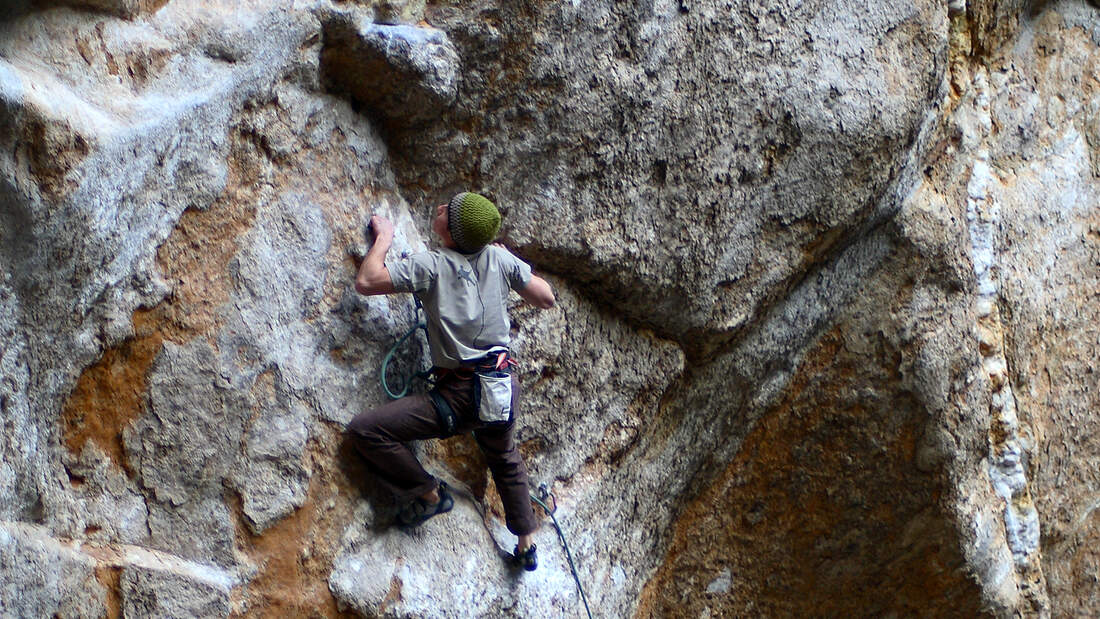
(405, 384)
(561, 535)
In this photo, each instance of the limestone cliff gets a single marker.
(828, 278)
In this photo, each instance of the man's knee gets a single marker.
(365, 427)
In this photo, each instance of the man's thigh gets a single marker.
(407, 419)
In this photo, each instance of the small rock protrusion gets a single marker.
(988, 342)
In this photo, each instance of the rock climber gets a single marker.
(463, 287)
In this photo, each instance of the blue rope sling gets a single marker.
(407, 382)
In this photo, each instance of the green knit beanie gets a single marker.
(472, 220)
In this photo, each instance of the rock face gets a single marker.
(825, 340)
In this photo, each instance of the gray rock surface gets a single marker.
(183, 448)
(158, 593)
(824, 340)
(46, 576)
(41, 577)
(687, 200)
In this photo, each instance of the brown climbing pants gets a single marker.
(379, 436)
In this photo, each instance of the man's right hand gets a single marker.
(381, 227)
(373, 277)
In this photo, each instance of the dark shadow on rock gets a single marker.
(126, 9)
(358, 474)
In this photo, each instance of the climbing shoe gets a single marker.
(527, 559)
(418, 511)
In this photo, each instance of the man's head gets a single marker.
(469, 219)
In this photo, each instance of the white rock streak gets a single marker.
(1009, 442)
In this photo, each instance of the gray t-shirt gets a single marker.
(464, 297)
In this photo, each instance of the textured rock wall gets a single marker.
(825, 339)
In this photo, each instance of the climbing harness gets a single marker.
(405, 384)
(545, 493)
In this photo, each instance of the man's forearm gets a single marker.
(538, 292)
(376, 256)
(373, 276)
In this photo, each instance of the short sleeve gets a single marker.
(515, 270)
(414, 273)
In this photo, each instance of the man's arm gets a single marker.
(537, 292)
(374, 277)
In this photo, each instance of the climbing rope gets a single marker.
(405, 384)
(561, 535)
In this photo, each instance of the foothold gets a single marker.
(988, 342)
(984, 307)
(927, 459)
(998, 379)
(721, 584)
(357, 250)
